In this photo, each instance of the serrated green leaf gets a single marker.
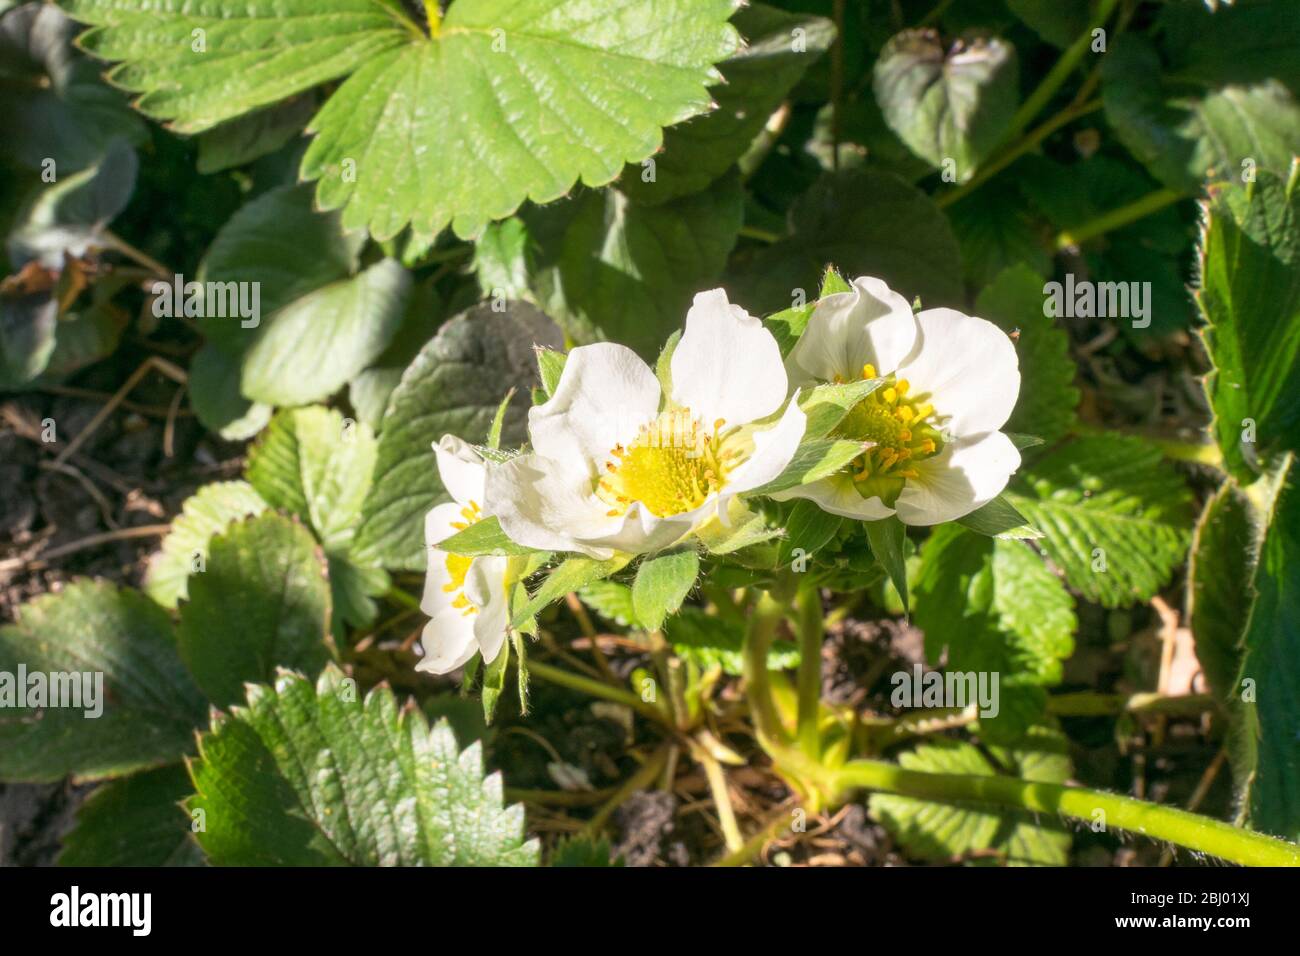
(611, 600)
(757, 79)
(150, 704)
(942, 831)
(135, 821)
(1250, 296)
(1048, 398)
(314, 463)
(572, 574)
(661, 584)
(314, 776)
(950, 104)
(263, 602)
(311, 348)
(1114, 517)
(205, 513)
(997, 232)
(453, 387)
(506, 101)
(611, 269)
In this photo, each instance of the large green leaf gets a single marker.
(316, 464)
(613, 269)
(1184, 131)
(508, 100)
(864, 222)
(1250, 296)
(150, 704)
(1048, 398)
(185, 549)
(454, 387)
(136, 821)
(1114, 517)
(216, 399)
(948, 105)
(779, 47)
(263, 602)
(280, 242)
(312, 776)
(943, 831)
(312, 347)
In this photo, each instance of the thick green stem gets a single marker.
(763, 621)
(1118, 218)
(808, 606)
(1124, 813)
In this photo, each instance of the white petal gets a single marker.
(641, 532)
(727, 366)
(605, 394)
(968, 473)
(872, 324)
(549, 505)
(773, 449)
(448, 642)
(967, 368)
(836, 495)
(485, 586)
(461, 469)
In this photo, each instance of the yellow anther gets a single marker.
(902, 385)
(891, 395)
(904, 414)
(925, 411)
(868, 371)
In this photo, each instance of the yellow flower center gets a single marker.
(458, 565)
(904, 431)
(672, 466)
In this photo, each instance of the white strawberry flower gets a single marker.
(619, 466)
(466, 598)
(951, 383)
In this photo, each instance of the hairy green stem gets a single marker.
(1118, 218)
(764, 619)
(1189, 830)
(808, 608)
